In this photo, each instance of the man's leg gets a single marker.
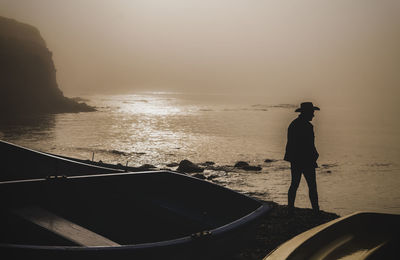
(309, 174)
(296, 176)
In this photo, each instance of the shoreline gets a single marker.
(267, 233)
(270, 232)
(277, 227)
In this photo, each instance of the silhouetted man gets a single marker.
(302, 155)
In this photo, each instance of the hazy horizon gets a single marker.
(326, 51)
(255, 54)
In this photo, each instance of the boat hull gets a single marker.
(19, 163)
(147, 214)
(362, 235)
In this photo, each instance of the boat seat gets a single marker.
(62, 227)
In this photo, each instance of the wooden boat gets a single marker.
(362, 235)
(118, 215)
(19, 163)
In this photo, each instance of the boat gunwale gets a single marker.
(178, 241)
(237, 224)
(60, 158)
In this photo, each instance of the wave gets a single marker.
(380, 164)
(109, 151)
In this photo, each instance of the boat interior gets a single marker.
(115, 209)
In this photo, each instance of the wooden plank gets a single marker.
(63, 227)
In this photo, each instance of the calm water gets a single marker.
(359, 152)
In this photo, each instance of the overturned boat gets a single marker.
(361, 235)
(109, 214)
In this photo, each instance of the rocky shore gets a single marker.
(277, 227)
(274, 229)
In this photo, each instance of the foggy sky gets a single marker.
(347, 50)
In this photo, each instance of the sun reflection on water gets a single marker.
(152, 106)
(159, 129)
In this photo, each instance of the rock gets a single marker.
(79, 99)
(329, 165)
(252, 168)
(147, 167)
(174, 164)
(247, 167)
(199, 176)
(211, 177)
(241, 164)
(189, 167)
(207, 163)
(269, 160)
(118, 152)
(28, 75)
(225, 168)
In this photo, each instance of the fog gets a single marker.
(347, 51)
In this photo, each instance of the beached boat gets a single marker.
(123, 215)
(58, 213)
(19, 163)
(362, 235)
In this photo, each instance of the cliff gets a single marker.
(28, 75)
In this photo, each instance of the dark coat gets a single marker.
(300, 147)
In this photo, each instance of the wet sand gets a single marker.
(277, 227)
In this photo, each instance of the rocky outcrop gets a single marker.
(28, 75)
(174, 164)
(187, 166)
(247, 167)
(241, 164)
(278, 227)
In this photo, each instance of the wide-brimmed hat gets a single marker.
(306, 106)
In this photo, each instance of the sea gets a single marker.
(359, 152)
